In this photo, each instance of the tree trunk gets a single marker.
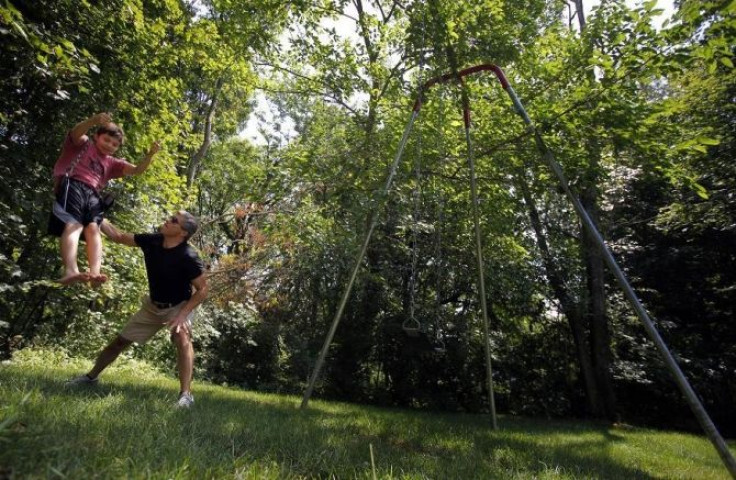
(600, 339)
(571, 308)
(196, 159)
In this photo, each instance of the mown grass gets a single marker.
(127, 428)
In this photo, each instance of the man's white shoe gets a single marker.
(186, 400)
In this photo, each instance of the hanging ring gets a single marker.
(411, 326)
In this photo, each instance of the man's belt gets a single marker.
(163, 305)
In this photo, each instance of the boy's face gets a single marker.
(106, 144)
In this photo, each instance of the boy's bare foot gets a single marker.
(97, 279)
(74, 277)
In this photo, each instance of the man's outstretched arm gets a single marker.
(116, 235)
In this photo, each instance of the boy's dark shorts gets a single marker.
(83, 205)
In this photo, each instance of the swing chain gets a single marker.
(412, 325)
(440, 219)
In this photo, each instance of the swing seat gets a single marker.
(412, 331)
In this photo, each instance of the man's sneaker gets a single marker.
(82, 380)
(186, 400)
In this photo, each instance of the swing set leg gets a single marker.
(358, 261)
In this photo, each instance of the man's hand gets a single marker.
(200, 293)
(178, 323)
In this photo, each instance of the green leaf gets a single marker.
(17, 26)
(68, 45)
(708, 141)
(690, 12)
(700, 190)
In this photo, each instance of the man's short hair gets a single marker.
(189, 223)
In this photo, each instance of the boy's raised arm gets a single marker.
(112, 232)
(143, 166)
(83, 127)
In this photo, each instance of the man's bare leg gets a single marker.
(184, 358)
(108, 355)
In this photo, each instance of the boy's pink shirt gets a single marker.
(94, 168)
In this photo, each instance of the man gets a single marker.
(173, 268)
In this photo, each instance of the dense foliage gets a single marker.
(642, 119)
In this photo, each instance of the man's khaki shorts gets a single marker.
(150, 319)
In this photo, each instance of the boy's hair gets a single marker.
(190, 223)
(112, 130)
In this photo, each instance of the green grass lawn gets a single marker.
(127, 428)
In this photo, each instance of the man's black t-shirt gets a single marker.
(170, 270)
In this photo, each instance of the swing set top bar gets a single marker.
(459, 76)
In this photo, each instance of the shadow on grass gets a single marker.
(129, 428)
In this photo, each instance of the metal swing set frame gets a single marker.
(690, 396)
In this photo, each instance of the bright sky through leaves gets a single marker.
(346, 27)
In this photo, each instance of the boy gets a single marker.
(81, 172)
